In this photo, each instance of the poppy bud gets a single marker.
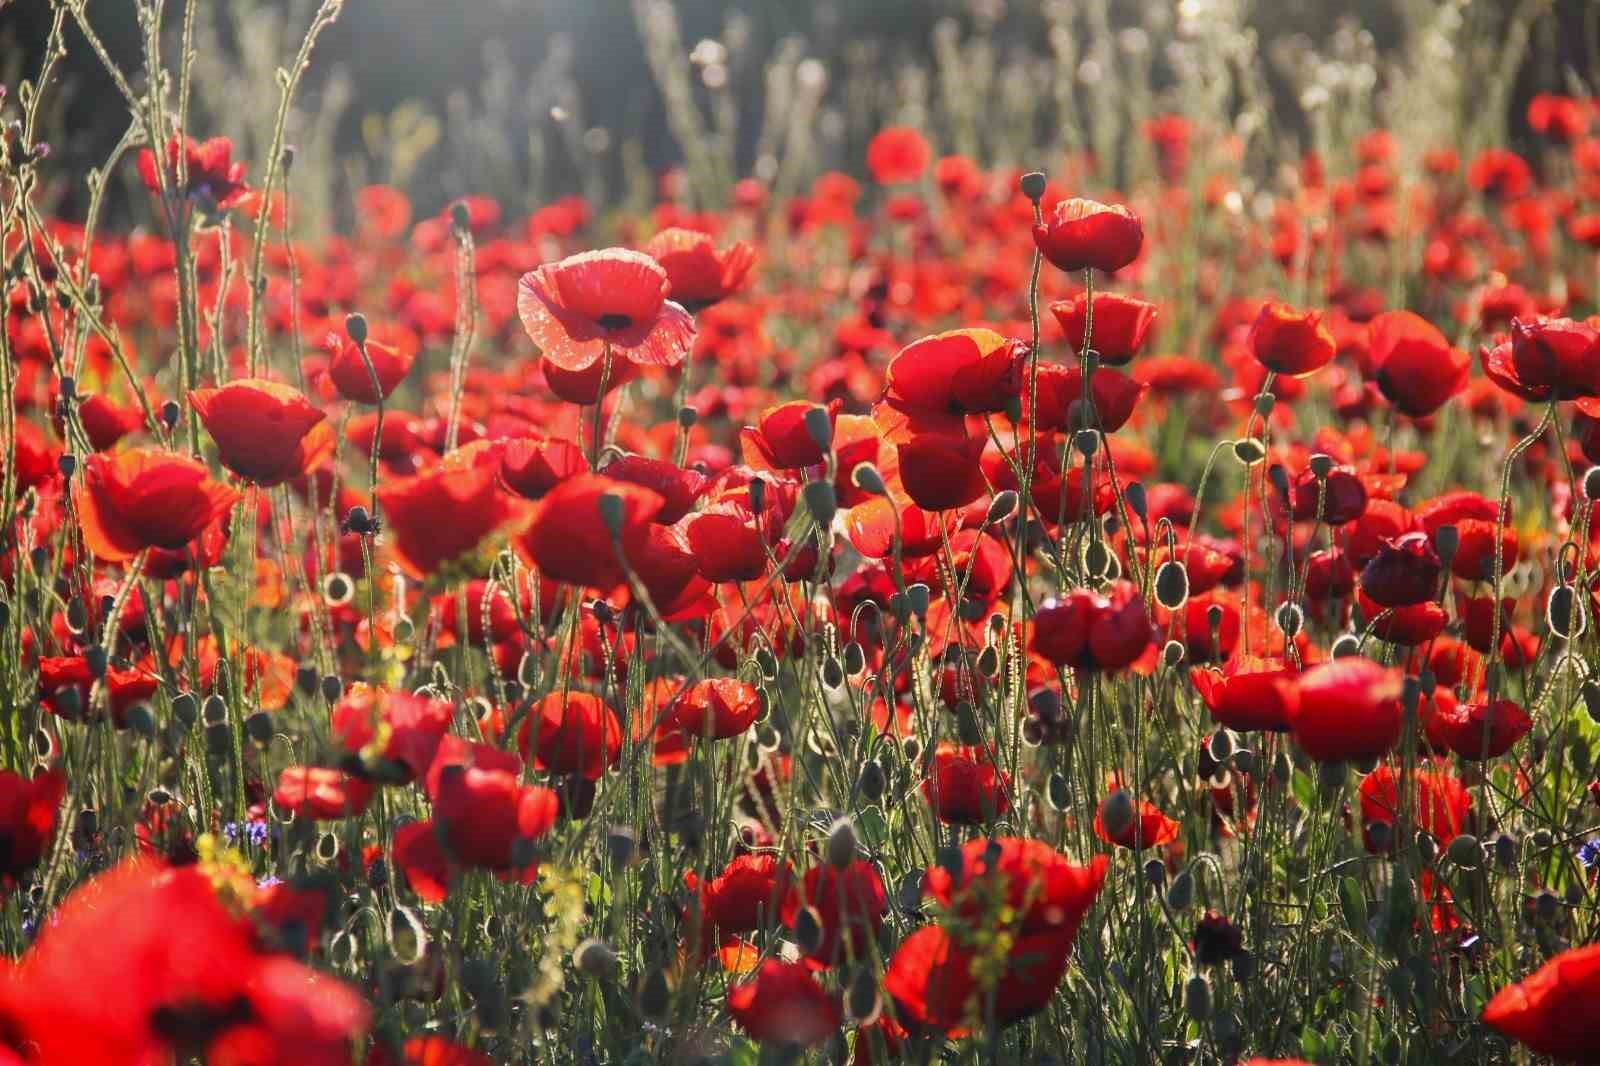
(1221, 745)
(69, 387)
(460, 216)
(867, 479)
(185, 708)
(1505, 851)
(1172, 654)
(1197, 998)
(595, 958)
(1138, 503)
(1279, 476)
(819, 426)
(1117, 814)
(67, 463)
(1288, 618)
(214, 710)
(170, 413)
(622, 846)
(1564, 613)
(1591, 483)
(841, 850)
(1086, 441)
(94, 657)
(258, 727)
(1181, 892)
(1465, 851)
(1446, 539)
(1321, 465)
(862, 998)
(611, 513)
(917, 596)
(1248, 451)
(1172, 585)
(822, 503)
(872, 780)
(141, 720)
(1001, 507)
(1265, 402)
(687, 417)
(855, 658)
(1032, 185)
(332, 688)
(808, 930)
(355, 327)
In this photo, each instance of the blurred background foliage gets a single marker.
(530, 99)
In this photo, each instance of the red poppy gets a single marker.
(897, 154)
(409, 726)
(931, 976)
(211, 171)
(1337, 498)
(849, 903)
(349, 373)
(679, 488)
(1413, 364)
(203, 989)
(699, 275)
(469, 495)
(1552, 1011)
(1090, 631)
(615, 299)
(1290, 341)
(1147, 828)
(746, 896)
(576, 734)
(531, 467)
(1546, 358)
(29, 810)
(1405, 571)
(583, 387)
(262, 428)
(964, 787)
(569, 540)
(717, 708)
(144, 498)
(940, 471)
(1121, 324)
(783, 1005)
(481, 818)
(1060, 390)
(781, 440)
(1248, 693)
(66, 684)
(1080, 234)
(1476, 731)
(320, 793)
(960, 372)
(1347, 709)
(1439, 807)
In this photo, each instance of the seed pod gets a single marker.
(808, 930)
(1032, 185)
(1565, 613)
(258, 727)
(872, 780)
(1117, 813)
(1465, 851)
(1344, 646)
(821, 502)
(1181, 892)
(1172, 585)
(861, 996)
(1001, 507)
(185, 708)
(819, 427)
(841, 848)
(1248, 451)
(866, 478)
(1197, 998)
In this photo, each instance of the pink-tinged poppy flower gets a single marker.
(262, 429)
(1079, 234)
(1290, 341)
(1347, 709)
(576, 308)
(1552, 1011)
(470, 496)
(897, 154)
(1121, 324)
(1415, 367)
(145, 498)
(699, 275)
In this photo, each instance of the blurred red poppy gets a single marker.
(471, 496)
(349, 373)
(1551, 1012)
(698, 275)
(897, 154)
(571, 733)
(717, 708)
(321, 794)
(1121, 324)
(1413, 364)
(1247, 693)
(211, 171)
(849, 903)
(1347, 709)
(964, 787)
(783, 1005)
(144, 498)
(569, 539)
(29, 810)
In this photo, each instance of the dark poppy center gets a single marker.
(615, 322)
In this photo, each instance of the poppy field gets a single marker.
(1125, 602)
